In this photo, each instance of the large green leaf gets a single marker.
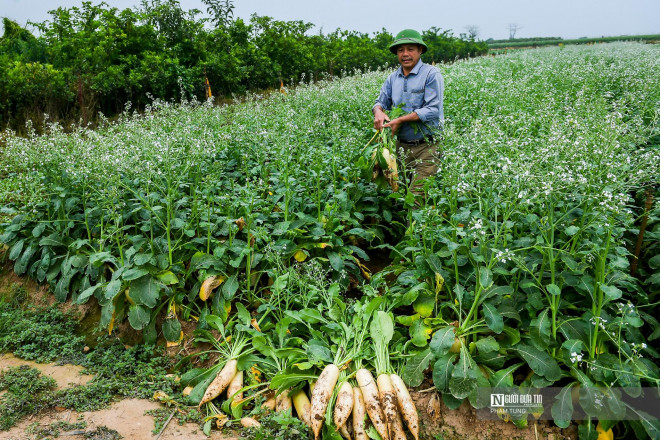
(172, 329)
(512, 336)
(612, 293)
(413, 372)
(62, 287)
(145, 291)
(442, 370)
(442, 340)
(562, 409)
(420, 332)
(16, 250)
(424, 304)
(139, 317)
(494, 320)
(575, 328)
(541, 362)
(382, 328)
(87, 293)
(464, 376)
(487, 345)
(540, 329)
(504, 378)
(230, 287)
(336, 261)
(112, 289)
(651, 425)
(21, 265)
(485, 277)
(134, 273)
(318, 353)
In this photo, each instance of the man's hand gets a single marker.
(379, 118)
(396, 123)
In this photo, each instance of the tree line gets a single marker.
(95, 58)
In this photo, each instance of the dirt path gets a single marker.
(127, 416)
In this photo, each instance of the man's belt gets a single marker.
(418, 141)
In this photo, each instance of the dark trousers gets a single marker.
(421, 161)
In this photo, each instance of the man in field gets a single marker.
(419, 88)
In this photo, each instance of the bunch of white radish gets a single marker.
(384, 402)
(387, 398)
(230, 346)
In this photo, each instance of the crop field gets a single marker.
(522, 266)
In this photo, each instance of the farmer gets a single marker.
(419, 88)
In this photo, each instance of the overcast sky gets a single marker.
(535, 18)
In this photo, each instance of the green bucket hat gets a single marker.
(407, 36)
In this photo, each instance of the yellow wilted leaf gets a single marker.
(228, 308)
(112, 323)
(255, 324)
(300, 255)
(160, 395)
(323, 245)
(175, 343)
(187, 390)
(604, 435)
(365, 270)
(210, 284)
(257, 374)
(439, 281)
(128, 297)
(221, 420)
(503, 414)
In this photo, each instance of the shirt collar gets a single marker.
(414, 70)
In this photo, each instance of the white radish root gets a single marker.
(221, 382)
(392, 173)
(343, 405)
(321, 396)
(249, 422)
(388, 404)
(235, 385)
(406, 405)
(344, 432)
(283, 402)
(302, 405)
(372, 402)
(269, 404)
(359, 415)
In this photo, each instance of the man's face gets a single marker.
(408, 55)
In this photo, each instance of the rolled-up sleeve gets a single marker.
(432, 109)
(385, 98)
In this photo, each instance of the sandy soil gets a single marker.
(127, 417)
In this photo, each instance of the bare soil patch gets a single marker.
(463, 423)
(127, 417)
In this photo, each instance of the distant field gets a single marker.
(536, 42)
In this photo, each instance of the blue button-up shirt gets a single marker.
(420, 92)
